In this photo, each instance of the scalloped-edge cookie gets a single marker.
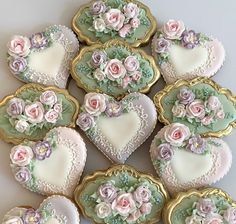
(33, 110)
(201, 104)
(51, 166)
(114, 68)
(53, 210)
(185, 160)
(210, 205)
(100, 21)
(117, 128)
(121, 194)
(184, 54)
(44, 57)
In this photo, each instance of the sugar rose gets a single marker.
(94, 103)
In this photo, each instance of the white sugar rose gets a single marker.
(21, 155)
(131, 10)
(114, 19)
(142, 194)
(51, 116)
(94, 103)
(124, 204)
(99, 25)
(15, 107)
(194, 219)
(176, 134)
(103, 210)
(48, 98)
(132, 218)
(34, 112)
(213, 103)
(13, 220)
(115, 69)
(196, 109)
(173, 29)
(99, 74)
(179, 110)
(19, 46)
(131, 64)
(213, 219)
(146, 208)
(21, 126)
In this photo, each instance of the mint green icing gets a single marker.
(84, 23)
(186, 207)
(38, 132)
(229, 108)
(125, 181)
(85, 72)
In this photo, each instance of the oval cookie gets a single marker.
(185, 160)
(210, 205)
(51, 166)
(201, 104)
(117, 128)
(133, 23)
(185, 54)
(114, 68)
(44, 57)
(101, 196)
(33, 110)
(53, 210)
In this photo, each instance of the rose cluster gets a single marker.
(175, 30)
(203, 111)
(22, 155)
(205, 212)
(130, 206)
(122, 72)
(178, 135)
(30, 216)
(106, 19)
(94, 105)
(25, 114)
(19, 48)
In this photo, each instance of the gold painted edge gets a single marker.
(224, 91)
(113, 170)
(137, 43)
(108, 44)
(172, 204)
(39, 88)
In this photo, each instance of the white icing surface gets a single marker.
(49, 171)
(120, 130)
(189, 166)
(48, 61)
(52, 221)
(187, 60)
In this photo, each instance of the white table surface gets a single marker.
(217, 18)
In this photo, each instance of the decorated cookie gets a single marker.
(51, 166)
(44, 57)
(208, 206)
(33, 110)
(100, 21)
(53, 210)
(117, 128)
(201, 104)
(185, 54)
(185, 160)
(114, 68)
(121, 195)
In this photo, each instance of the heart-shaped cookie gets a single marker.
(201, 104)
(51, 166)
(209, 205)
(100, 21)
(44, 57)
(185, 54)
(33, 110)
(114, 68)
(184, 160)
(117, 128)
(121, 194)
(53, 210)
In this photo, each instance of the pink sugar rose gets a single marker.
(135, 22)
(115, 69)
(48, 98)
(213, 219)
(34, 112)
(207, 120)
(125, 81)
(94, 103)
(220, 114)
(131, 64)
(196, 109)
(131, 10)
(230, 215)
(58, 107)
(124, 31)
(205, 207)
(132, 218)
(21, 155)
(136, 76)
(51, 116)
(114, 19)
(173, 29)
(146, 208)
